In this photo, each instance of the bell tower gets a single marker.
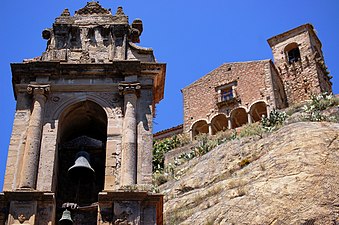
(299, 59)
(81, 146)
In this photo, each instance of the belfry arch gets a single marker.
(82, 128)
(85, 114)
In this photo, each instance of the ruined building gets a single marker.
(80, 151)
(238, 93)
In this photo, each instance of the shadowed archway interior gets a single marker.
(199, 127)
(258, 110)
(83, 128)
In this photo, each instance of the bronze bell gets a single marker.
(66, 218)
(81, 170)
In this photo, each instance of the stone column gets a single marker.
(268, 111)
(249, 118)
(129, 133)
(229, 123)
(210, 131)
(32, 148)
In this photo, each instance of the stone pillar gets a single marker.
(268, 111)
(249, 118)
(229, 123)
(210, 131)
(33, 140)
(129, 133)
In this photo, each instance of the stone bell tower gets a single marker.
(299, 59)
(81, 147)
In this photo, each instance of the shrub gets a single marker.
(159, 178)
(275, 119)
(317, 104)
(161, 147)
(322, 101)
(251, 130)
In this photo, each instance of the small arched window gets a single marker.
(292, 53)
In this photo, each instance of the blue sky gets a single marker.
(192, 37)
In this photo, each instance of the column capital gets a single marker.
(37, 89)
(129, 88)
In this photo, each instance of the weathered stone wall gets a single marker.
(306, 76)
(253, 84)
(145, 136)
(17, 142)
(280, 99)
(277, 85)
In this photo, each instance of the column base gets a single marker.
(27, 207)
(130, 207)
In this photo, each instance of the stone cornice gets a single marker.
(23, 73)
(129, 196)
(79, 87)
(28, 195)
(75, 69)
(306, 27)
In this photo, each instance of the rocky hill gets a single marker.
(290, 176)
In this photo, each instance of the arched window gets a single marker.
(292, 53)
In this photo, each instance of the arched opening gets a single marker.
(199, 127)
(238, 117)
(258, 110)
(82, 138)
(292, 53)
(219, 123)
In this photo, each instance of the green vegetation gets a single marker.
(314, 110)
(275, 120)
(160, 147)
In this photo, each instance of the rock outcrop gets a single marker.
(288, 177)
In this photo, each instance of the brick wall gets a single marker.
(254, 82)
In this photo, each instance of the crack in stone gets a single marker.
(331, 141)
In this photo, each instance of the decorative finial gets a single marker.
(66, 13)
(120, 11)
(92, 7)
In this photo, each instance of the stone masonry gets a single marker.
(306, 75)
(239, 93)
(82, 133)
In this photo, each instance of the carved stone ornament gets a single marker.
(129, 88)
(65, 13)
(92, 8)
(21, 218)
(38, 89)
